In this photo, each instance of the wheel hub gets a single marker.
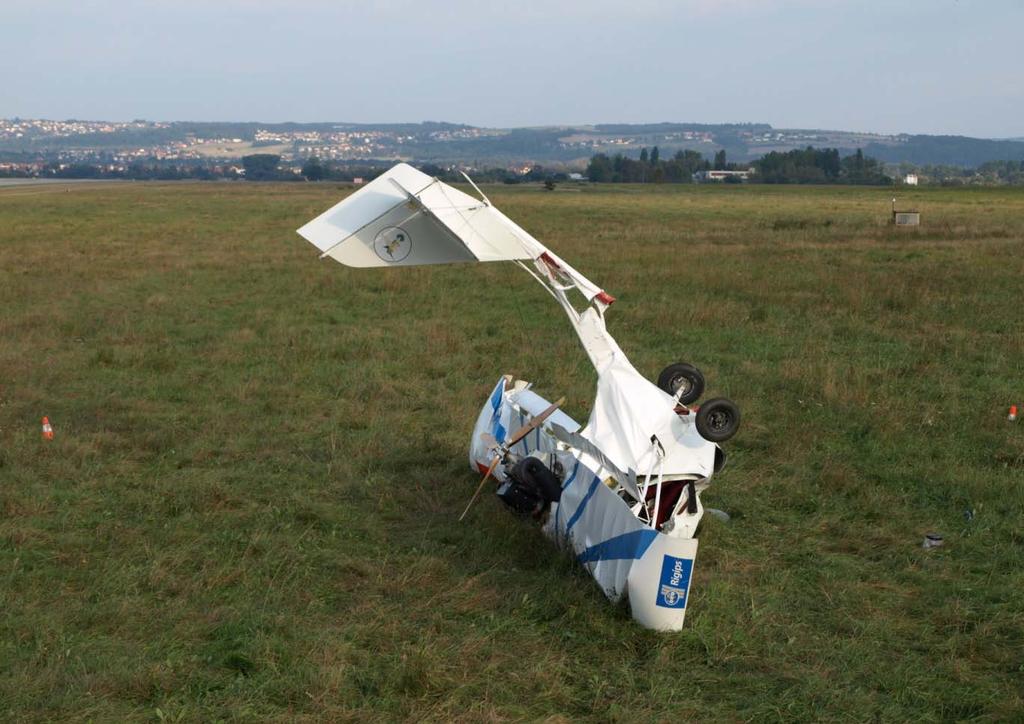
(681, 383)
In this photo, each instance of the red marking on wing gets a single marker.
(547, 259)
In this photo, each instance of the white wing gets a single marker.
(406, 218)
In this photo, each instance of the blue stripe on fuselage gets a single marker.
(558, 510)
(497, 429)
(626, 546)
(583, 505)
(496, 395)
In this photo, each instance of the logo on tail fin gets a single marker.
(392, 243)
(675, 582)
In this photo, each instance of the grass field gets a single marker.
(249, 508)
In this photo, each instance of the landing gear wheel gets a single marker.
(718, 419)
(685, 377)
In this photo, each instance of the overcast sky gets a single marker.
(924, 66)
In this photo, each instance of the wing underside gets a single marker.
(406, 218)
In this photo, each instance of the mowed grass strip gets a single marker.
(249, 510)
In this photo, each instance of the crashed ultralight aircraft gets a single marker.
(623, 491)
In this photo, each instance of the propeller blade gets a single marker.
(503, 447)
(494, 464)
(533, 424)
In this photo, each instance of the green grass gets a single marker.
(249, 510)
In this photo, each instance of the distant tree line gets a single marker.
(316, 170)
(255, 167)
(313, 169)
(991, 173)
(820, 166)
(1010, 172)
(141, 171)
(649, 167)
(808, 165)
(267, 167)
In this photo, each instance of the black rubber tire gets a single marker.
(678, 374)
(718, 419)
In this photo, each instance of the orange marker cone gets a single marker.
(47, 429)
(1013, 413)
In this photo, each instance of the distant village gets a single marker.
(36, 137)
(155, 149)
(223, 153)
(40, 128)
(80, 142)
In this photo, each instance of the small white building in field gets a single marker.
(907, 217)
(910, 179)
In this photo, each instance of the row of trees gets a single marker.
(267, 167)
(809, 165)
(256, 167)
(819, 166)
(802, 166)
(650, 167)
(990, 173)
(316, 170)
(140, 171)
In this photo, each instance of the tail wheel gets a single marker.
(684, 380)
(718, 419)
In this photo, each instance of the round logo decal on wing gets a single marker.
(392, 243)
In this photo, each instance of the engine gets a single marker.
(530, 487)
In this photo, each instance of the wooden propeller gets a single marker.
(502, 450)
